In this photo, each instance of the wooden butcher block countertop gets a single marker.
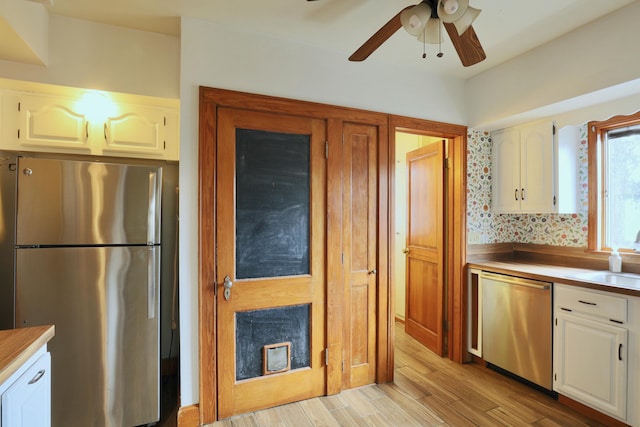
(18, 345)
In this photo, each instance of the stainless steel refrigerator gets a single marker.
(87, 259)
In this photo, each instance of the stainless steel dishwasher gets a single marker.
(516, 326)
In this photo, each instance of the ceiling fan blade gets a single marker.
(467, 45)
(376, 40)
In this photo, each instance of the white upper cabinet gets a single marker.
(506, 170)
(64, 124)
(45, 122)
(143, 131)
(525, 171)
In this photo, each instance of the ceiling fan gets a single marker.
(423, 21)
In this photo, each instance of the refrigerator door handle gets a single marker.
(153, 279)
(151, 211)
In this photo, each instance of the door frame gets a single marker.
(456, 219)
(210, 100)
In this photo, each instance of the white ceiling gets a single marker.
(506, 28)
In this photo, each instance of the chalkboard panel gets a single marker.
(257, 328)
(272, 204)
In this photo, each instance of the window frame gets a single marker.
(595, 137)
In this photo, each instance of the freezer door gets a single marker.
(63, 202)
(105, 355)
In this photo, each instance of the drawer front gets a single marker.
(596, 304)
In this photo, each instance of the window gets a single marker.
(614, 183)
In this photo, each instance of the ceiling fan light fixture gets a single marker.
(452, 10)
(416, 18)
(450, 6)
(431, 33)
(466, 20)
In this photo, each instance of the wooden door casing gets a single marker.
(360, 203)
(425, 242)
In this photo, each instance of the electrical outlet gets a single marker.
(474, 237)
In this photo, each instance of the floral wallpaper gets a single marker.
(483, 226)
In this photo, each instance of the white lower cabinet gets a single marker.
(26, 401)
(591, 363)
(591, 349)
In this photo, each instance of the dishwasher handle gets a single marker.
(516, 281)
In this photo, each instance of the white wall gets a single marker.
(24, 30)
(218, 57)
(597, 56)
(97, 56)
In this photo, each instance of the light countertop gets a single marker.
(550, 273)
(17, 345)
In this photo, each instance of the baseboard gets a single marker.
(189, 416)
(400, 320)
(590, 412)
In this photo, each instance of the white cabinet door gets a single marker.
(139, 131)
(506, 170)
(537, 171)
(48, 123)
(27, 402)
(590, 363)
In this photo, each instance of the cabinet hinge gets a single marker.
(342, 365)
(447, 163)
(165, 120)
(326, 356)
(18, 106)
(554, 129)
(342, 258)
(164, 145)
(18, 133)
(445, 326)
(326, 149)
(554, 200)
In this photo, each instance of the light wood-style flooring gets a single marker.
(428, 391)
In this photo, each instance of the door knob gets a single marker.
(374, 271)
(405, 251)
(227, 287)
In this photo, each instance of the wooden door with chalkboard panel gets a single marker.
(271, 234)
(360, 245)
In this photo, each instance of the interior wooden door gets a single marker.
(360, 201)
(425, 245)
(271, 210)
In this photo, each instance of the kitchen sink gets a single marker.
(609, 278)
